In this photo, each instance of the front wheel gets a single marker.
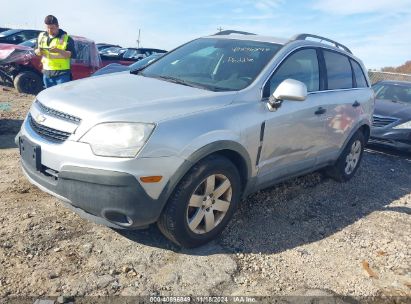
(203, 203)
(28, 82)
(349, 160)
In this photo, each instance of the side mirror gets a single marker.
(289, 89)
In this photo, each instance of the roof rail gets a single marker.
(335, 43)
(228, 32)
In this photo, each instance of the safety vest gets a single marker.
(53, 61)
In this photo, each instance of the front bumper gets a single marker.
(103, 189)
(110, 198)
(396, 138)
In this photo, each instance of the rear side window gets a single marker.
(339, 72)
(82, 52)
(301, 66)
(359, 75)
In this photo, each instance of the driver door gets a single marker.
(294, 134)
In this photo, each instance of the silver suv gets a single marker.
(182, 141)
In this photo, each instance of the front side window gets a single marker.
(214, 64)
(339, 72)
(302, 66)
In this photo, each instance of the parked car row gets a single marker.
(21, 68)
(126, 56)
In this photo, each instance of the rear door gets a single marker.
(346, 92)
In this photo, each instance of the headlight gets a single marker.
(118, 139)
(406, 125)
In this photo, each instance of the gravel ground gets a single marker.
(308, 236)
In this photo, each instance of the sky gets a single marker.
(377, 31)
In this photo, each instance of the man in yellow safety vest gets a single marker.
(56, 48)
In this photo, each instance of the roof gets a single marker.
(258, 38)
(307, 38)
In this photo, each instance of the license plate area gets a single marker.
(30, 153)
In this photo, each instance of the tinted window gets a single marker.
(338, 71)
(359, 75)
(82, 52)
(301, 66)
(214, 64)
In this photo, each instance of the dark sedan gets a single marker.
(392, 115)
(18, 36)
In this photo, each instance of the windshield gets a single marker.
(8, 32)
(393, 91)
(214, 64)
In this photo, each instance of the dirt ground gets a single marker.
(308, 236)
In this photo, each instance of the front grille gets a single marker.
(46, 132)
(382, 121)
(58, 114)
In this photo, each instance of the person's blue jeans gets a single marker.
(52, 81)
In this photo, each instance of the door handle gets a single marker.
(356, 104)
(320, 111)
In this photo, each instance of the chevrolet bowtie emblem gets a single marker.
(40, 118)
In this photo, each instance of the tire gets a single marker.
(202, 203)
(349, 160)
(28, 82)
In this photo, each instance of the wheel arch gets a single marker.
(229, 149)
(362, 126)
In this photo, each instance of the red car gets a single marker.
(21, 68)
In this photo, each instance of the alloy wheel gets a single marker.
(209, 203)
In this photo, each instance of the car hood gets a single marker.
(127, 97)
(400, 110)
(6, 49)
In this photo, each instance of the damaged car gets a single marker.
(21, 68)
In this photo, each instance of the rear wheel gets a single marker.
(203, 203)
(349, 160)
(28, 82)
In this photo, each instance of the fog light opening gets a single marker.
(118, 218)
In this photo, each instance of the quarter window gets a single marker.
(359, 75)
(301, 66)
(338, 71)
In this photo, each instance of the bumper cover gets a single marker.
(400, 139)
(110, 198)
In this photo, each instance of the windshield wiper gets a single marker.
(180, 81)
(137, 71)
(175, 80)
